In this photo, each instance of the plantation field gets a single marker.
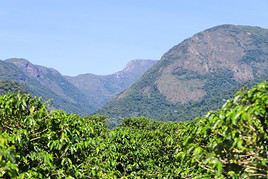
(231, 142)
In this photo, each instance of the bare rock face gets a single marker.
(197, 74)
(220, 48)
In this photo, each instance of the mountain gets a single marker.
(197, 75)
(83, 94)
(45, 82)
(9, 71)
(100, 89)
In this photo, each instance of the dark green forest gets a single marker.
(231, 142)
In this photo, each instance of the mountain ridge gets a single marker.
(51, 84)
(191, 77)
(107, 86)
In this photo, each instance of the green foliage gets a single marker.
(228, 143)
(231, 142)
(44, 144)
(11, 86)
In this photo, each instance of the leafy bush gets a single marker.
(45, 144)
(11, 86)
(231, 142)
(228, 143)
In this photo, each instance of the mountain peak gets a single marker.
(232, 27)
(26, 66)
(135, 64)
(32, 70)
(101, 88)
(197, 74)
(19, 61)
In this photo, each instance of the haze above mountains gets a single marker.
(193, 77)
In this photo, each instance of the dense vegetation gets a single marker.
(230, 142)
(11, 86)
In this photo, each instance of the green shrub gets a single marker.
(229, 143)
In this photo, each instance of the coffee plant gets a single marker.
(232, 142)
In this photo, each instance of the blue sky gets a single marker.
(101, 36)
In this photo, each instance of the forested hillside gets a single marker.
(228, 143)
(197, 75)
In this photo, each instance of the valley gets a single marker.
(201, 111)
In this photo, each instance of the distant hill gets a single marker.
(100, 89)
(45, 82)
(197, 75)
(65, 92)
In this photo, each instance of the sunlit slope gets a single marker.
(197, 75)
